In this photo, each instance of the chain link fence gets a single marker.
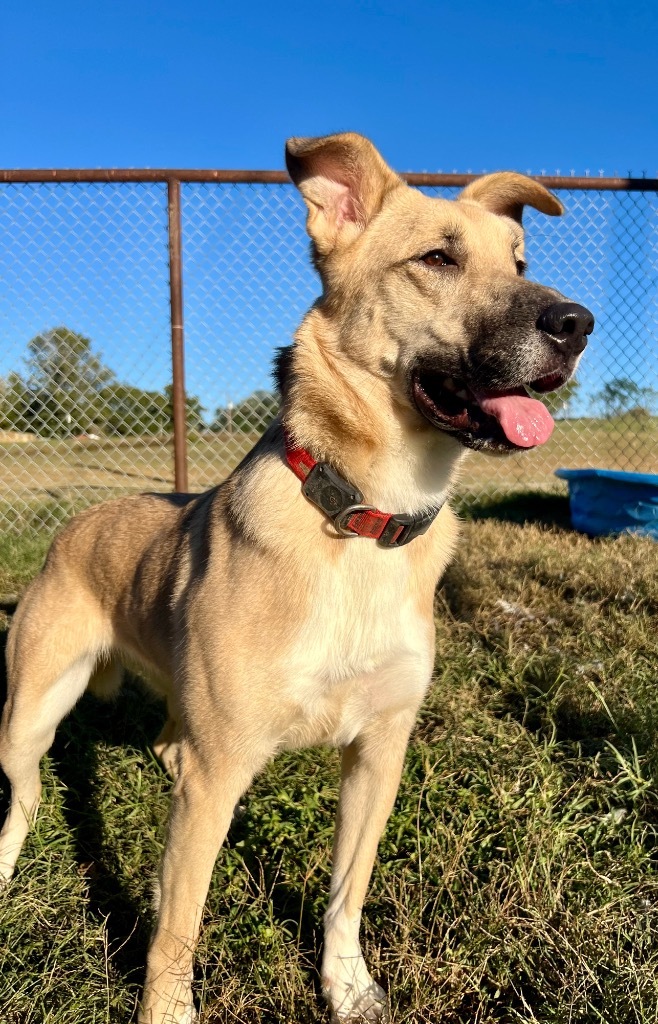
(86, 392)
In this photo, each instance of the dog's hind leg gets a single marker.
(167, 747)
(53, 647)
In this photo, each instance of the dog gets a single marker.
(292, 605)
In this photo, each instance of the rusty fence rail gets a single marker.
(92, 371)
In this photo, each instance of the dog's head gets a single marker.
(430, 294)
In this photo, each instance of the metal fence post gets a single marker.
(177, 335)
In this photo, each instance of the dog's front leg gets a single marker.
(371, 770)
(202, 807)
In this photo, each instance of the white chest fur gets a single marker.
(362, 650)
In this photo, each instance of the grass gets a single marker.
(517, 878)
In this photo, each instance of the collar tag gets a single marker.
(327, 489)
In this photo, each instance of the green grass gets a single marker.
(517, 878)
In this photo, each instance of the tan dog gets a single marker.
(248, 608)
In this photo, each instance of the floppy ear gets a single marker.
(507, 193)
(344, 182)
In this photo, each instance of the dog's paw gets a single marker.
(174, 1006)
(181, 1015)
(353, 996)
(189, 1016)
(6, 872)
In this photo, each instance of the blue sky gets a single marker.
(553, 86)
(556, 84)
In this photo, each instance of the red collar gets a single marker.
(341, 501)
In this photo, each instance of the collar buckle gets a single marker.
(402, 528)
(340, 523)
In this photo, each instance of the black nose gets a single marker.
(569, 324)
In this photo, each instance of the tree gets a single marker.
(558, 401)
(69, 390)
(193, 410)
(621, 395)
(251, 414)
(128, 410)
(15, 399)
(65, 384)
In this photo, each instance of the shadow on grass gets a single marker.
(522, 507)
(288, 901)
(133, 720)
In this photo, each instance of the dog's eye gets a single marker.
(521, 267)
(437, 258)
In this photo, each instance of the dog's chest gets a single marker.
(362, 649)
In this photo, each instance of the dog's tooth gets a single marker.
(462, 394)
(449, 384)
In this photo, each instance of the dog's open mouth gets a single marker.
(487, 419)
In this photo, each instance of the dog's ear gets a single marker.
(507, 192)
(344, 182)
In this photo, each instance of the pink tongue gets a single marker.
(525, 421)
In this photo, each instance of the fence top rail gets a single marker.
(149, 174)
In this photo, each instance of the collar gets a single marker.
(341, 502)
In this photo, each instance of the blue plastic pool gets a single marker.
(609, 501)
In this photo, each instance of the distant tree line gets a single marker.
(622, 396)
(67, 390)
(251, 414)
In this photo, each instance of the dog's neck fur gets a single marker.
(353, 421)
